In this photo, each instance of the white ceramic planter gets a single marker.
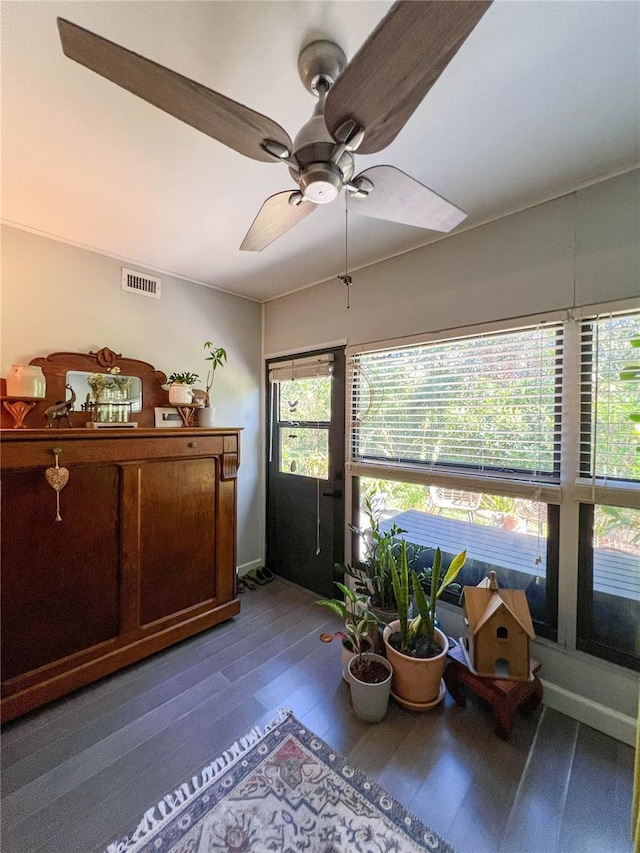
(417, 682)
(179, 394)
(25, 380)
(206, 416)
(347, 654)
(370, 701)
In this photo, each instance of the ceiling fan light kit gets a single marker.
(362, 106)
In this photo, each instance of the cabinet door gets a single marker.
(177, 541)
(60, 580)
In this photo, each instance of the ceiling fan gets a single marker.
(362, 106)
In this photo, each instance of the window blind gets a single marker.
(608, 440)
(299, 368)
(488, 403)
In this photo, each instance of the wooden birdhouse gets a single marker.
(497, 630)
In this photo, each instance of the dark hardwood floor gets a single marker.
(80, 772)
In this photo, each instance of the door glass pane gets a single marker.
(304, 452)
(307, 399)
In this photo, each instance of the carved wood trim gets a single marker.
(55, 367)
(229, 466)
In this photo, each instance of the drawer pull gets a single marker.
(193, 444)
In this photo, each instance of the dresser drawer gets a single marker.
(96, 449)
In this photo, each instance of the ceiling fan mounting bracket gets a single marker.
(276, 149)
(360, 187)
(320, 63)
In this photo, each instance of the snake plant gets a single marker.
(406, 581)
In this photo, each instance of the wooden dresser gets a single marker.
(144, 555)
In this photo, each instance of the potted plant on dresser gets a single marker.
(216, 356)
(180, 388)
(416, 648)
(368, 674)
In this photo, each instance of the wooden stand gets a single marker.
(505, 697)
(187, 413)
(19, 408)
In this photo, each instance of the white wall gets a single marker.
(581, 249)
(57, 297)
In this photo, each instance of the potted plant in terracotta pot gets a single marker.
(368, 674)
(416, 648)
(216, 356)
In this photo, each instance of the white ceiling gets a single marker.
(543, 97)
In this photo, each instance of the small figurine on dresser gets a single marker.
(60, 409)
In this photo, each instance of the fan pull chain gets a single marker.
(346, 278)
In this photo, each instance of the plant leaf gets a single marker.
(452, 572)
(337, 606)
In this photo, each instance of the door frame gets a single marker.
(337, 455)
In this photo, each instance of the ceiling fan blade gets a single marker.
(398, 198)
(275, 218)
(397, 65)
(219, 117)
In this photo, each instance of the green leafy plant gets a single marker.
(355, 614)
(184, 378)
(372, 575)
(217, 357)
(631, 373)
(404, 582)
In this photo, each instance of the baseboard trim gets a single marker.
(591, 713)
(246, 567)
(604, 682)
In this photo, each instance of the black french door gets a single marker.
(305, 468)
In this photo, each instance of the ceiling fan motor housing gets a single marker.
(321, 182)
(320, 175)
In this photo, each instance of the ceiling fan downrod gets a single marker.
(323, 163)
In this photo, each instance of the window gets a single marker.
(488, 403)
(609, 557)
(301, 397)
(476, 422)
(609, 584)
(497, 442)
(507, 535)
(607, 445)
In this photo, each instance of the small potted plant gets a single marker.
(372, 575)
(416, 647)
(180, 388)
(368, 674)
(216, 356)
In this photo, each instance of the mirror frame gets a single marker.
(56, 365)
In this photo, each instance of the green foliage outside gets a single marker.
(472, 402)
(305, 400)
(304, 450)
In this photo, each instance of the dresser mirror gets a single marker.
(106, 388)
(124, 389)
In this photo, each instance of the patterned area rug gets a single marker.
(282, 790)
